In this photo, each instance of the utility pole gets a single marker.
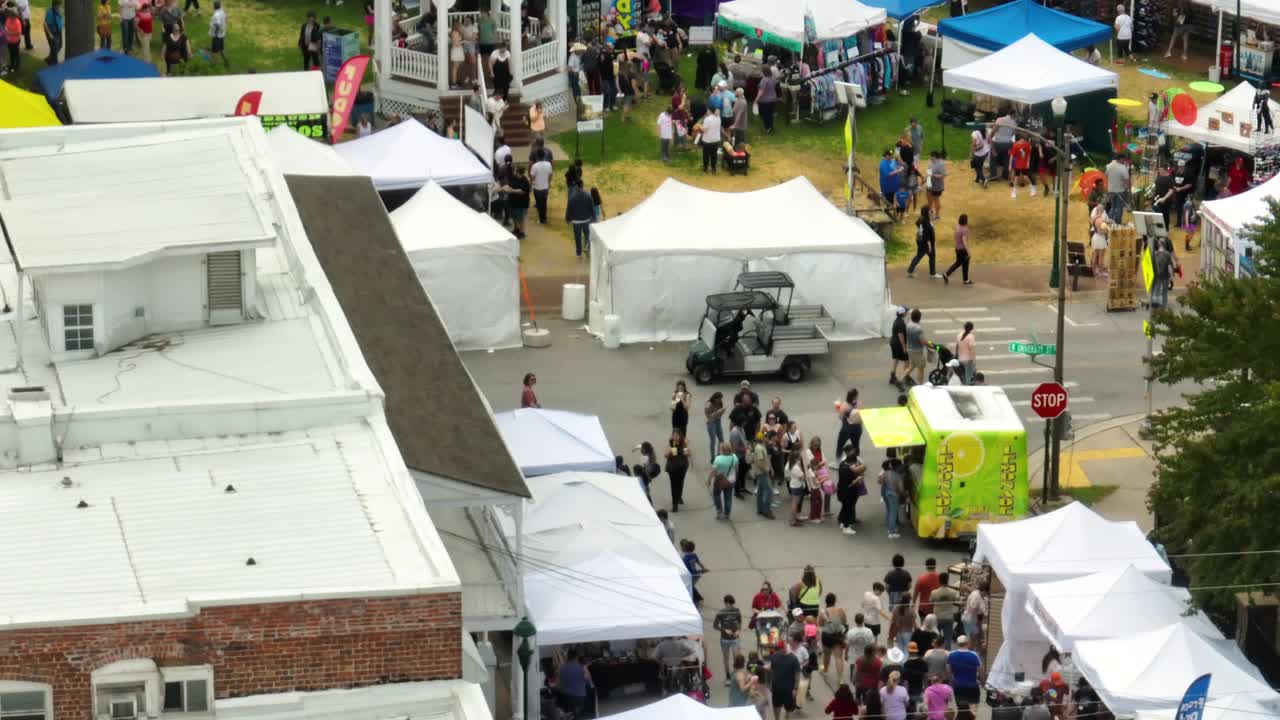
(80, 22)
(1059, 106)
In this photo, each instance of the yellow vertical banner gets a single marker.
(1148, 269)
(848, 153)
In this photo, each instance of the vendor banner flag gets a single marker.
(248, 103)
(1193, 701)
(345, 88)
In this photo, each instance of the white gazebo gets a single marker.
(416, 77)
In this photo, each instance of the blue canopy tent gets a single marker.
(98, 65)
(902, 9)
(976, 35)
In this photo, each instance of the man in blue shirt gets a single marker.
(890, 176)
(727, 99)
(964, 665)
(53, 25)
(572, 679)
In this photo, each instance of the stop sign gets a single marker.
(1049, 400)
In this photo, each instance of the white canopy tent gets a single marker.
(683, 707)
(609, 597)
(1235, 707)
(1111, 603)
(564, 499)
(296, 155)
(1226, 247)
(1030, 71)
(291, 94)
(1151, 670)
(577, 543)
(1236, 103)
(469, 266)
(552, 441)
(657, 282)
(1265, 11)
(408, 154)
(782, 23)
(1066, 543)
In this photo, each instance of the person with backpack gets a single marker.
(849, 487)
(723, 469)
(833, 624)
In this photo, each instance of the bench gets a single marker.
(1077, 264)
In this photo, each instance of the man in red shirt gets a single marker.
(1020, 158)
(926, 583)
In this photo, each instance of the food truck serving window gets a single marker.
(891, 427)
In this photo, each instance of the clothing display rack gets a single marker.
(874, 71)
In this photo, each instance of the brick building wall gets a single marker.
(266, 648)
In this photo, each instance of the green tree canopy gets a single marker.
(1218, 483)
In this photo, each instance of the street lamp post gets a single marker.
(1059, 106)
(524, 630)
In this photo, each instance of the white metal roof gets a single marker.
(438, 700)
(210, 202)
(189, 98)
(319, 512)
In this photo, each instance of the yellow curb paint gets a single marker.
(1077, 477)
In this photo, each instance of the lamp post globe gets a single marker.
(525, 630)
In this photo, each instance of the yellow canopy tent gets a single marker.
(891, 427)
(22, 109)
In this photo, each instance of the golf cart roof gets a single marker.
(764, 279)
(735, 301)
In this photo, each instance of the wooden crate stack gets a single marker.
(1122, 290)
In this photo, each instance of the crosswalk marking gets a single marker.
(1076, 418)
(1032, 386)
(1017, 371)
(1072, 401)
(953, 310)
(948, 321)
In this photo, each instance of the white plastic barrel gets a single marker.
(1215, 73)
(573, 301)
(595, 317)
(612, 331)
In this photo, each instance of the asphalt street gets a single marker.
(630, 390)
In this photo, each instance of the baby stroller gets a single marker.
(940, 374)
(770, 628)
(686, 678)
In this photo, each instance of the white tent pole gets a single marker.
(1217, 48)
(933, 69)
(1111, 50)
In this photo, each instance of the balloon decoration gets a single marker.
(1184, 109)
(1205, 86)
(1087, 180)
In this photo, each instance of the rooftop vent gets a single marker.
(250, 561)
(82, 504)
(230, 488)
(66, 482)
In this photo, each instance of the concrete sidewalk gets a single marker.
(1109, 453)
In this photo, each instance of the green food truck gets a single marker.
(966, 454)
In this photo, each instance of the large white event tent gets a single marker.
(1111, 603)
(1069, 542)
(683, 707)
(571, 545)
(552, 441)
(1225, 247)
(467, 263)
(408, 154)
(565, 499)
(1235, 707)
(297, 155)
(1151, 670)
(1030, 71)
(608, 598)
(654, 265)
(1237, 104)
(783, 23)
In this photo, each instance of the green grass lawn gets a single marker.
(261, 37)
(1092, 494)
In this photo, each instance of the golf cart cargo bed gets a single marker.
(813, 315)
(799, 340)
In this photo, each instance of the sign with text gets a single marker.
(623, 16)
(1193, 701)
(702, 34)
(1032, 348)
(344, 93)
(591, 126)
(311, 125)
(1049, 400)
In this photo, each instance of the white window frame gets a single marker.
(128, 672)
(184, 674)
(92, 326)
(17, 686)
